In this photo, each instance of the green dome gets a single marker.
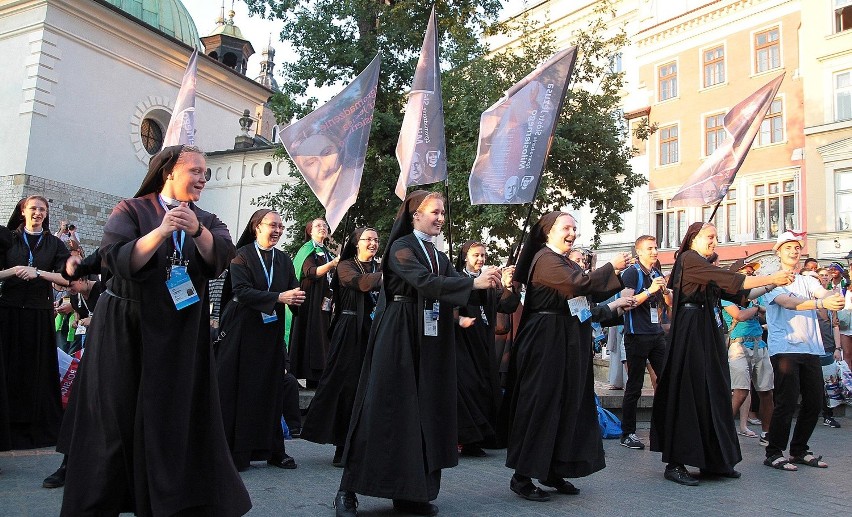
(169, 16)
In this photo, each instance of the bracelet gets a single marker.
(819, 304)
(197, 233)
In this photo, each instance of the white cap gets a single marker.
(789, 236)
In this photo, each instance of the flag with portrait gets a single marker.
(515, 134)
(181, 128)
(421, 149)
(710, 182)
(329, 145)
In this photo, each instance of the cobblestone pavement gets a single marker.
(632, 484)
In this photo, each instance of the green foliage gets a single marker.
(336, 39)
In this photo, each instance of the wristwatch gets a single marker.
(38, 273)
(197, 233)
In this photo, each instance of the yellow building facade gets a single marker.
(687, 64)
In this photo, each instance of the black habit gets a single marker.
(355, 292)
(691, 422)
(28, 344)
(477, 369)
(309, 331)
(403, 428)
(146, 430)
(250, 356)
(553, 418)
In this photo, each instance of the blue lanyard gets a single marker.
(423, 247)
(266, 272)
(178, 247)
(27, 244)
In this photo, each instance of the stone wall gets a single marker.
(86, 208)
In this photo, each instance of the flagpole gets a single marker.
(712, 215)
(345, 232)
(449, 219)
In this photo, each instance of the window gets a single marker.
(767, 50)
(670, 224)
(725, 219)
(774, 209)
(843, 201)
(714, 66)
(668, 81)
(714, 132)
(668, 145)
(843, 95)
(842, 15)
(152, 136)
(615, 64)
(772, 127)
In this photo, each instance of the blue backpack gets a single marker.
(610, 424)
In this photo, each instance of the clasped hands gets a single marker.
(180, 218)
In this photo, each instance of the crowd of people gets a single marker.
(415, 358)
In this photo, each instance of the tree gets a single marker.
(336, 39)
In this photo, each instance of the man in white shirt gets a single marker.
(795, 347)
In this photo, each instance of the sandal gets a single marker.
(810, 460)
(748, 433)
(779, 462)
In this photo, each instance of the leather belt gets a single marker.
(546, 311)
(349, 313)
(692, 305)
(404, 299)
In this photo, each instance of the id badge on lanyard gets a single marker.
(267, 318)
(655, 315)
(180, 287)
(579, 307)
(430, 320)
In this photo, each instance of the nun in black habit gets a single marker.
(250, 351)
(403, 428)
(29, 393)
(476, 368)
(554, 431)
(691, 423)
(146, 432)
(356, 289)
(308, 330)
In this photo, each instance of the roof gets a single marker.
(167, 16)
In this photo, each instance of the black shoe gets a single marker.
(680, 475)
(829, 421)
(296, 432)
(561, 486)
(55, 480)
(528, 490)
(732, 474)
(631, 441)
(337, 461)
(285, 462)
(415, 507)
(474, 451)
(345, 504)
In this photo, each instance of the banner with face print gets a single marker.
(710, 182)
(181, 128)
(329, 145)
(515, 134)
(421, 150)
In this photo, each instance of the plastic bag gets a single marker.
(609, 423)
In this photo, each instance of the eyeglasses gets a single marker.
(274, 225)
(370, 239)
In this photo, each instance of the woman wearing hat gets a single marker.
(308, 331)
(250, 353)
(476, 368)
(356, 289)
(554, 431)
(146, 431)
(691, 422)
(403, 427)
(29, 261)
